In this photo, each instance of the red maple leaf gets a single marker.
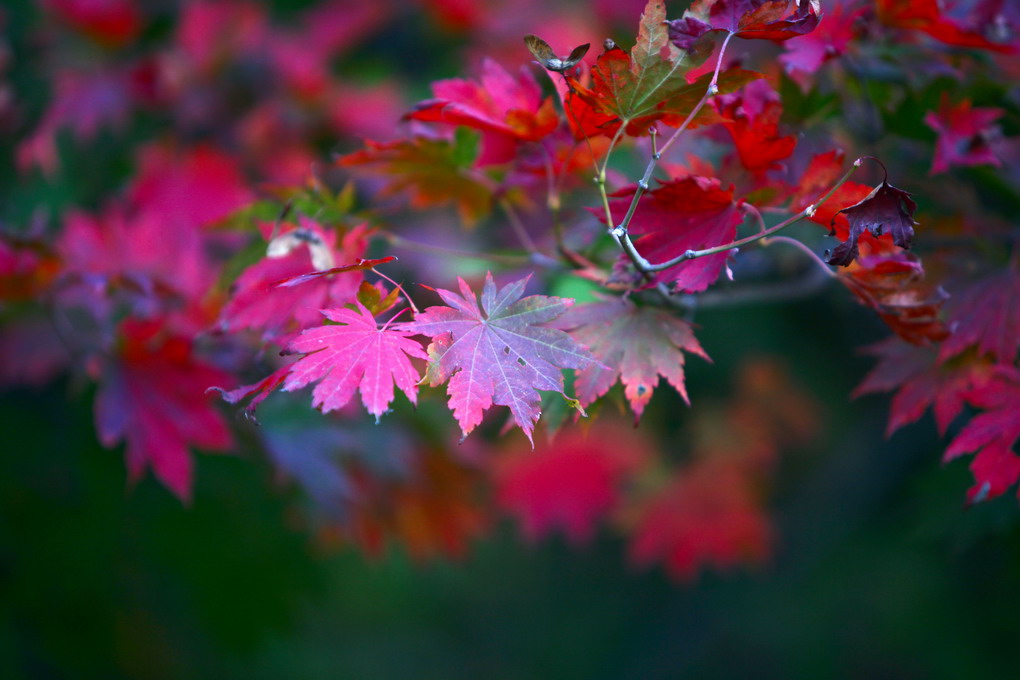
(635, 345)
(569, 483)
(497, 353)
(752, 119)
(893, 285)
(279, 311)
(751, 19)
(646, 85)
(506, 109)
(691, 213)
(964, 135)
(986, 315)
(152, 396)
(707, 515)
(355, 356)
(821, 174)
(109, 22)
(928, 16)
(913, 372)
(991, 435)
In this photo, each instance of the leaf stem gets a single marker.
(619, 231)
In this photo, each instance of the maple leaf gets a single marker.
(278, 311)
(354, 356)
(570, 482)
(752, 119)
(920, 382)
(497, 353)
(506, 110)
(991, 435)
(649, 84)
(151, 396)
(821, 174)
(189, 188)
(927, 16)
(964, 134)
(751, 19)
(885, 210)
(433, 171)
(635, 345)
(259, 391)
(691, 213)
(986, 315)
(892, 285)
(831, 39)
(708, 514)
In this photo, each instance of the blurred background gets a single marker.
(330, 547)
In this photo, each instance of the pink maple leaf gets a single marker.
(991, 435)
(355, 356)
(497, 353)
(691, 213)
(805, 55)
(152, 396)
(635, 345)
(964, 135)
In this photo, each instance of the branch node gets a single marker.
(809, 211)
(619, 231)
(656, 155)
(713, 89)
(643, 185)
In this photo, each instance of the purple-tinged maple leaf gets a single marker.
(886, 210)
(804, 56)
(354, 356)
(964, 135)
(986, 314)
(991, 435)
(497, 353)
(752, 19)
(635, 345)
(691, 213)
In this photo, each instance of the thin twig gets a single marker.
(645, 265)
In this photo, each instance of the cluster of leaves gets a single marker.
(236, 251)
